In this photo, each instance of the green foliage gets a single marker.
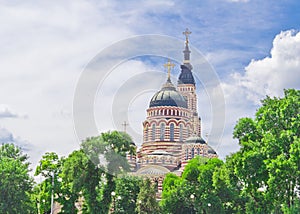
(88, 174)
(204, 187)
(75, 178)
(192, 170)
(126, 193)
(171, 182)
(177, 199)
(15, 182)
(146, 200)
(262, 177)
(268, 163)
(49, 167)
(206, 194)
(111, 147)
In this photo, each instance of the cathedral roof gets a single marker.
(168, 96)
(153, 170)
(186, 76)
(195, 139)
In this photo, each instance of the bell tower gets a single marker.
(187, 87)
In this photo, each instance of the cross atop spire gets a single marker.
(125, 124)
(186, 33)
(186, 59)
(169, 65)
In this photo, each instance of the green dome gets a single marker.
(168, 96)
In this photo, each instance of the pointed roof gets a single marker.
(186, 75)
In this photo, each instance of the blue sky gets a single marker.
(253, 46)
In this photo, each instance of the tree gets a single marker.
(208, 197)
(15, 182)
(205, 186)
(229, 187)
(88, 175)
(108, 152)
(268, 163)
(192, 170)
(176, 195)
(81, 184)
(180, 195)
(75, 177)
(126, 193)
(49, 167)
(146, 200)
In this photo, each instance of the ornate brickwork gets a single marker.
(172, 128)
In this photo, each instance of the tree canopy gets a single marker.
(268, 163)
(262, 177)
(15, 182)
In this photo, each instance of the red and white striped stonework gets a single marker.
(172, 129)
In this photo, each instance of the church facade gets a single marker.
(172, 128)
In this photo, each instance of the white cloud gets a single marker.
(45, 46)
(269, 76)
(7, 137)
(124, 96)
(6, 112)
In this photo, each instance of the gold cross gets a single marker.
(169, 65)
(187, 33)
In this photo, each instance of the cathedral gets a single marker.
(172, 128)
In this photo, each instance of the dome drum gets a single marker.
(170, 111)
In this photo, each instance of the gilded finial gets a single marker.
(187, 33)
(169, 65)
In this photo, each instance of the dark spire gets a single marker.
(187, 51)
(186, 76)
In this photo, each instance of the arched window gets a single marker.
(146, 133)
(156, 185)
(180, 132)
(193, 153)
(153, 132)
(187, 154)
(172, 132)
(162, 131)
